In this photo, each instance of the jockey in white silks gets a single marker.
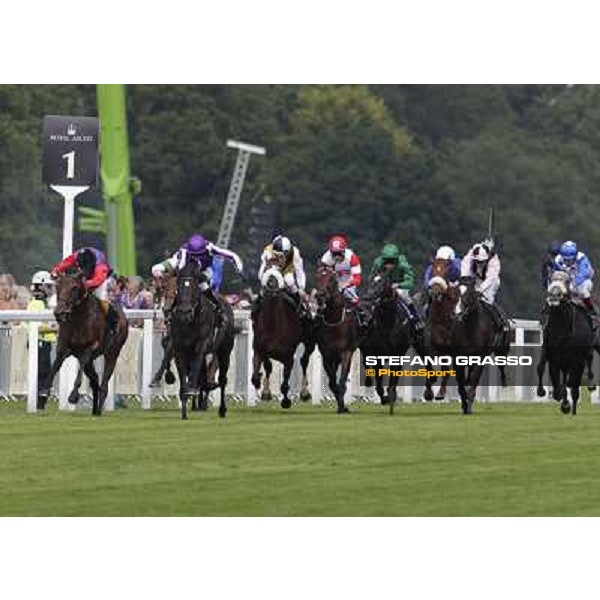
(286, 257)
(483, 265)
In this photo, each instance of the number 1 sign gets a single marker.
(71, 151)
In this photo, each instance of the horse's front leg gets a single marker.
(285, 384)
(266, 394)
(473, 381)
(541, 367)
(462, 389)
(392, 395)
(256, 374)
(346, 361)
(61, 354)
(308, 350)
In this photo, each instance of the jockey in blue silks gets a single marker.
(577, 265)
(445, 253)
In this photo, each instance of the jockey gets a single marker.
(346, 265)
(390, 261)
(552, 252)
(446, 253)
(577, 265)
(200, 250)
(283, 254)
(97, 272)
(483, 264)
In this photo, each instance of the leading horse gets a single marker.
(195, 338)
(278, 330)
(84, 332)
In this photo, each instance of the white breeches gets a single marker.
(404, 296)
(488, 288)
(101, 292)
(583, 290)
(207, 274)
(290, 282)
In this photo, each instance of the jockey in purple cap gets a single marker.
(202, 251)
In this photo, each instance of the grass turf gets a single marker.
(506, 459)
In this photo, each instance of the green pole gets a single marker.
(116, 178)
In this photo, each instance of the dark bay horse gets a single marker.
(441, 320)
(475, 335)
(84, 333)
(388, 334)
(193, 324)
(568, 339)
(336, 333)
(278, 330)
(166, 290)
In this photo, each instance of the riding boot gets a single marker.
(216, 305)
(414, 319)
(592, 312)
(110, 314)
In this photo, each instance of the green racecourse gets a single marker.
(506, 459)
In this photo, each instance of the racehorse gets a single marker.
(193, 325)
(336, 333)
(388, 334)
(278, 330)
(568, 339)
(166, 290)
(443, 299)
(475, 335)
(84, 333)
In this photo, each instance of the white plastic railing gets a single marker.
(317, 382)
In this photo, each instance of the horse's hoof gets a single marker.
(565, 407)
(440, 397)
(169, 378)
(591, 388)
(541, 392)
(428, 395)
(384, 400)
(222, 412)
(184, 417)
(203, 405)
(41, 402)
(305, 396)
(343, 411)
(286, 403)
(266, 396)
(73, 398)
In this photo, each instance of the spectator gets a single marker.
(8, 293)
(44, 298)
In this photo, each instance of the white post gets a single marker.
(32, 378)
(519, 343)
(67, 375)
(109, 402)
(147, 363)
(316, 376)
(251, 396)
(69, 193)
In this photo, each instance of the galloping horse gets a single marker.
(278, 330)
(389, 333)
(336, 333)
(475, 335)
(568, 339)
(443, 299)
(166, 290)
(193, 336)
(84, 333)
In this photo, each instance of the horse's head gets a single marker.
(469, 298)
(70, 293)
(438, 284)
(380, 288)
(272, 281)
(325, 285)
(188, 291)
(558, 290)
